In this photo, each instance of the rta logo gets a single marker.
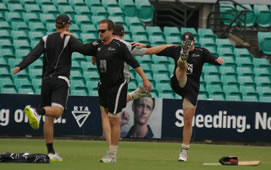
(80, 114)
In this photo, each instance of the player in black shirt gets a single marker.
(55, 77)
(112, 90)
(186, 80)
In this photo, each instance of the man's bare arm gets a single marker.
(157, 49)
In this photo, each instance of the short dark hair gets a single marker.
(118, 30)
(62, 20)
(136, 101)
(110, 24)
(188, 36)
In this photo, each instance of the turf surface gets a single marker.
(85, 155)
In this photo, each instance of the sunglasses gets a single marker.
(102, 31)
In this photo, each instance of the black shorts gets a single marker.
(113, 98)
(54, 91)
(190, 90)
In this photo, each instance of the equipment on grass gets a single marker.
(24, 158)
(233, 160)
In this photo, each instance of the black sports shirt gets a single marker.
(195, 61)
(110, 60)
(53, 63)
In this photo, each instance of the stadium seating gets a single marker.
(31, 17)
(22, 24)
(263, 15)
(82, 10)
(227, 13)
(144, 10)
(93, 3)
(206, 33)
(224, 43)
(250, 16)
(208, 43)
(264, 40)
(61, 2)
(99, 11)
(128, 7)
(115, 11)
(110, 3)
(171, 31)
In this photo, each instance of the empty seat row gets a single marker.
(257, 14)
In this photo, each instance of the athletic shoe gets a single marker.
(108, 158)
(139, 92)
(183, 155)
(184, 53)
(55, 157)
(32, 117)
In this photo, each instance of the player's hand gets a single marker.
(65, 33)
(147, 85)
(16, 70)
(93, 60)
(139, 45)
(219, 60)
(124, 118)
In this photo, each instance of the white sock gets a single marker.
(113, 149)
(184, 146)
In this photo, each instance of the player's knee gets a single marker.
(58, 111)
(114, 118)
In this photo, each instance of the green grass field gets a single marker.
(85, 155)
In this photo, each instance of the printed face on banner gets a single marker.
(142, 118)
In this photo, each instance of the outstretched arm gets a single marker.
(146, 83)
(157, 49)
(30, 58)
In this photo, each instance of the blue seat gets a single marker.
(206, 33)
(128, 7)
(32, 8)
(82, 10)
(227, 13)
(145, 10)
(264, 40)
(224, 43)
(133, 21)
(141, 39)
(154, 30)
(58, 3)
(250, 16)
(172, 31)
(47, 18)
(50, 9)
(109, 3)
(93, 3)
(208, 43)
(137, 30)
(99, 11)
(115, 11)
(16, 7)
(96, 20)
(31, 17)
(13, 16)
(117, 19)
(68, 10)
(157, 40)
(75, 3)
(82, 19)
(263, 15)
